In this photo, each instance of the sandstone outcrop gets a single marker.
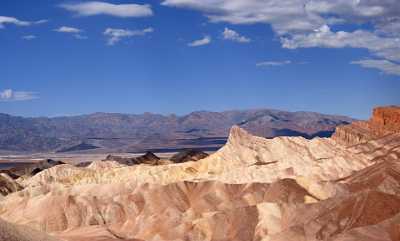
(188, 155)
(11, 232)
(148, 158)
(384, 121)
(31, 169)
(8, 185)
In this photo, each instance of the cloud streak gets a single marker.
(9, 95)
(76, 32)
(200, 42)
(29, 37)
(65, 29)
(115, 35)
(273, 63)
(232, 35)
(385, 66)
(93, 8)
(12, 20)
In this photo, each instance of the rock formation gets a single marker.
(8, 185)
(148, 158)
(286, 188)
(384, 121)
(11, 232)
(31, 169)
(188, 155)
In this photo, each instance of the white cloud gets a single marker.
(92, 8)
(11, 20)
(79, 36)
(10, 95)
(76, 32)
(65, 29)
(292, 15)
(115, 35)
(29, 37)
(41, 21)
(386, 47)
(273, 63)
(391, 27)
(200, 42)
(282, 15)
(232, 35)
(383, 65)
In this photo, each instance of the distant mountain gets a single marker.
(104, 132)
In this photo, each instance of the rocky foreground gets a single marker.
(288, 188)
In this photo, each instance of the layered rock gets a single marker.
(188, 155)
(200, 211)
(11, 232)
(31, 169)
(8, 185)
(387, 117)
(384, 121)
(148, 158)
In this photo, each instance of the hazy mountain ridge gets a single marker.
(134, 132)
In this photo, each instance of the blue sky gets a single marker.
(178, 56)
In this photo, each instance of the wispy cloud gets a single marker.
(200, 42)
(11, 95)
(232, 35)
(65, 29)
(29, 37)
(385, 66)
(92, 8)
(76, 32)
(12, 20)
(41, 21)
(115, 35)
(273, 63)
(385, 47)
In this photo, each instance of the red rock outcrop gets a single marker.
(384, 121)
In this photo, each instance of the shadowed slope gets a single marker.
(11, 232)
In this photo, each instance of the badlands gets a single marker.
(287, 188)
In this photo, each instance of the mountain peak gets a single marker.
(238, 134)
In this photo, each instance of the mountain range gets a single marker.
(104, 132)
